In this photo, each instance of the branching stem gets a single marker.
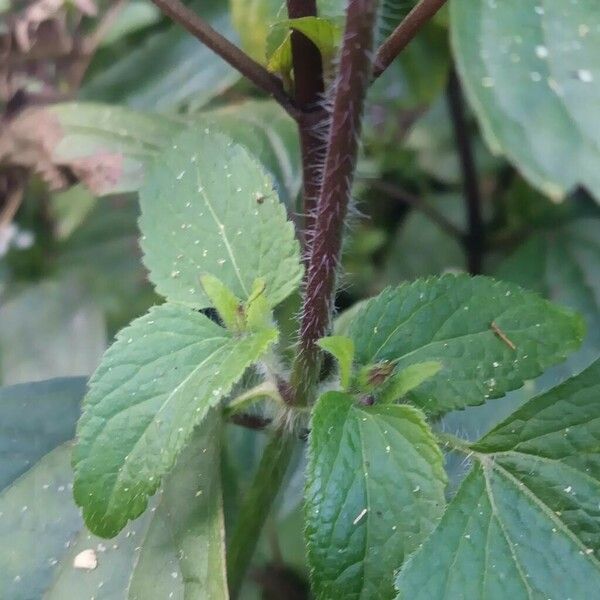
(404, 33)
(220, 45)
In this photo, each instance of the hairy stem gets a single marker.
(256, 507)
(238, 59)
(404, 33)
(474, 241)
(309, 87)
(332, 207)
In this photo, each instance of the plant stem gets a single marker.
(309, 87)
(474, 240)
(404, 33)
(340, 161)
(256, 507)
(238, 59)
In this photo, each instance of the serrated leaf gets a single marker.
(155, 383)
(34, 419)
(342, 348)
(563, 264)
(526, 522)
(403, 382)
(221, 215)
(488, 335)
(513, 55)
(375, 489)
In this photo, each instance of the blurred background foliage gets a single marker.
(89, 93)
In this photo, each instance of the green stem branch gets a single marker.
(256, 507)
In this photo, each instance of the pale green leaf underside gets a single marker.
(209, 207)
(450, 320)
(515, 55)
(375, 489)
(153, 386)
(175, 550)
(526, 522)
(186, 538)
(38, 517)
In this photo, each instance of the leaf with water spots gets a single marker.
(209, 208)
(154, 384)
(526, 521)
(374, 491)
(514, 55)
(488, 336)
(174, 551)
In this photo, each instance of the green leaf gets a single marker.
(50, 329)
(325, 34)
(221, 215)
(418, 75)
(34, 419)
(408, 379)
(420, 247)
(252, 21)
(342, 348)
(563, 264)
(155, 383)
(135, 16)
(488, 335)
(116, 560)
(526, 522)
(269, 134)
(38, 520)
(168, 69)
(108, 239)
(227, 305)
(174, 550)
(69, 209)
(187, 531)
(513, 55)
(257, 310)
(342, 323)
(375, 489)
(110, 147)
